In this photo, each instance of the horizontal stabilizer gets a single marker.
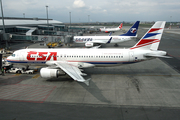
(151, 55)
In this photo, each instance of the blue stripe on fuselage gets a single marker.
(91, 62)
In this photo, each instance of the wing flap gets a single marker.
(72, 71)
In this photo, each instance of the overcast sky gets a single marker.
(99, 10)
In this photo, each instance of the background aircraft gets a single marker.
(107, 30)
(91, 41)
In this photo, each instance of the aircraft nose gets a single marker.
(8, 58)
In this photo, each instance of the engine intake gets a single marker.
(50, 73)
(89, 44)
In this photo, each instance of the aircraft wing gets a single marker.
(72, 71)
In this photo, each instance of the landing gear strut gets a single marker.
(116, 45)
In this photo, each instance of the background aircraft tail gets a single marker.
(120, 26)
(152, 38)
(133, 30)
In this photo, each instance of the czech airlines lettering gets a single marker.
(83, 39)
(42, 56)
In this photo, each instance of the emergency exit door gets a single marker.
(131, 56)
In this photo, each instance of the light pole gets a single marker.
(2, 16)
(170, 21)
(70, 18)
(24, 15)
(47, 18)
(3, 24)
(88, 18)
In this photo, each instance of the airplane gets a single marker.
(91, 41)
(107, 30)
(71, 61)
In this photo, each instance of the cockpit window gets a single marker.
(13, 55)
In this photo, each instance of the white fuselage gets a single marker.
(101, 39)
(109, 29)
(97, 57)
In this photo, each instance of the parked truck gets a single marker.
(20, 71)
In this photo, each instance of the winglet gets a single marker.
(110, 33)
(87, 81)
(109, 40)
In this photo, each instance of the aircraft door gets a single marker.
(22, 56)
(131, 56)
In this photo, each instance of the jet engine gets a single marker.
(50, 73)
(89, 44)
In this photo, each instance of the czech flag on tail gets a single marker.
(152, 38)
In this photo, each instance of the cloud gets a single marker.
(79, 4)
(100, 10)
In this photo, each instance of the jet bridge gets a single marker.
(29, 30)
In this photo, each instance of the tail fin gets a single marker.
(120, 26)
(152, 38)
(133, 30)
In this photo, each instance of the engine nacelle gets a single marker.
(89, 44)
(50, 73)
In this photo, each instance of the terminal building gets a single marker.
(29, 28)
(37, 29)
(33, 29)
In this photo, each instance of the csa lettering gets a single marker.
(41, 56)
(29, 55)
